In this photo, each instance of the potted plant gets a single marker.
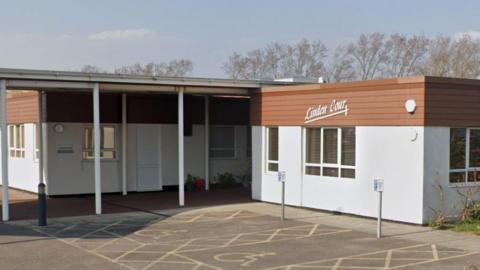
(190, 183)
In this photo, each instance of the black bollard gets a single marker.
(42, 205)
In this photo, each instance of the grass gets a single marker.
(468, 226)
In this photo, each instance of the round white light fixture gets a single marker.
(58, 128)
(410, 105)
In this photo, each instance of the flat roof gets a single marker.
(28, 79)
(377, 82)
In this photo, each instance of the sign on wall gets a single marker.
(336, 107)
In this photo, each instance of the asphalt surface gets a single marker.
(226, 239)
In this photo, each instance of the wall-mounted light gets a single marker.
(410, 105)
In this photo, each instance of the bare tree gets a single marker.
(368, 54)
(174, 68)
(438, 60)
(465, 59)
(92, 69)
(340, 68)
(404, 55)
(305, 58)
(453, 58)
(236, 67)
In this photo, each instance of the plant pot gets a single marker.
(200, 184)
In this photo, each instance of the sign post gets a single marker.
(281, 179)
(378, 187)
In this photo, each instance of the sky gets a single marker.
(67, 34)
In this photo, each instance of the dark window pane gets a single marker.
(348, 146)
(457, 148)
(348, 173)
(312, 146)
(474, 159)
(330, 171)
(330, 146)
(273, 167)
(310, 170)
(222, 137)
(272, 143)
(457, 177)
(474, 176)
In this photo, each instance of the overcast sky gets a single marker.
(67, 34)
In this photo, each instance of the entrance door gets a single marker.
(149, 169)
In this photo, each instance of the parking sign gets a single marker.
(378, 185)
(281, 176)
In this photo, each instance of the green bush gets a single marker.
(225, 180)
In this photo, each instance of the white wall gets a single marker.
(23, 172)
(437, 156)
(381, 152)
(70, 174)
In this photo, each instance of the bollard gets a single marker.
(42, 205)
(281, 178)
(283, 200)
(379, 220)
(378, 187)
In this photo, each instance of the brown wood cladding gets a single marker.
(22, 108)
(145, 108)
(452, 104)
(369, 104)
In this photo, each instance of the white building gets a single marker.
(332, 140)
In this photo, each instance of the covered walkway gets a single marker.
(24, 205)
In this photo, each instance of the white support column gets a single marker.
(124, 144)
(96, 131)
(207, 143)
(4, 144)
(44, 141)
(40, 137)
(181, 178)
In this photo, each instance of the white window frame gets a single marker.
(212, 149)
(322, 164)
(467, 168)
(267, 149)
(85, 151)
(18, 152)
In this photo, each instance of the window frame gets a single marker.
(321, 165)
(14, 147)
(467, 169)
(267, 149)
(85, 150)
(211, 149)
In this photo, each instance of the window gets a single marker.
(330, 152)
(222, 142)
(107, 143)
(272, 149)
(464, 155)
(16, 134)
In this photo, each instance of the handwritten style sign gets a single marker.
(336, 107)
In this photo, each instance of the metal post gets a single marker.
(96, 128)
(207, 143)
(181, 192)
(4, 144)
(42, 197)
(283, 200)
(379, 220)
(124, 144)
